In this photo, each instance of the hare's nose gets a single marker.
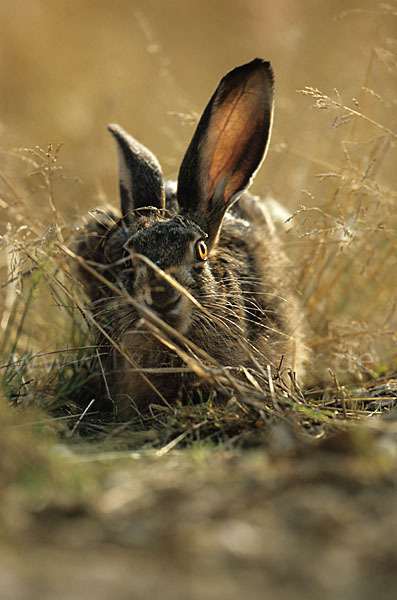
(164, 296)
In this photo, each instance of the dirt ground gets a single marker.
(311, 521)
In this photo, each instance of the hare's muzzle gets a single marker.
(164, 297)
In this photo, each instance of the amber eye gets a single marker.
(201, 250)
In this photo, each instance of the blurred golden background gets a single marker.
(68, 68)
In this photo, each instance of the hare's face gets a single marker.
(164, 264)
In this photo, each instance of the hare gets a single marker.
(180, 266)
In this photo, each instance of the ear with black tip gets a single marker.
(140, 176)
(228, 146)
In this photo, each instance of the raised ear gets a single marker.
(228, 146)
(140, 176)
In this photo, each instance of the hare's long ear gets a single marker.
(140, 177)
(228, 146)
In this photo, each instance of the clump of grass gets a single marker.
(62, 381)
(347, 283)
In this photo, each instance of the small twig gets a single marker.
(81, 417)
(341, 391)
(104, 378)
(271, 388)
(171, 445)
(42, 354)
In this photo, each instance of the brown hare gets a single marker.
(181, 263)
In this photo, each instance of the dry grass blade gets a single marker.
(322, 102)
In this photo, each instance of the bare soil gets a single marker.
(313, 520)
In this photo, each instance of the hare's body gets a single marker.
(179, 266)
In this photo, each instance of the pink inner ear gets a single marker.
(231, 148)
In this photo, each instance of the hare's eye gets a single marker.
(201, 250)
